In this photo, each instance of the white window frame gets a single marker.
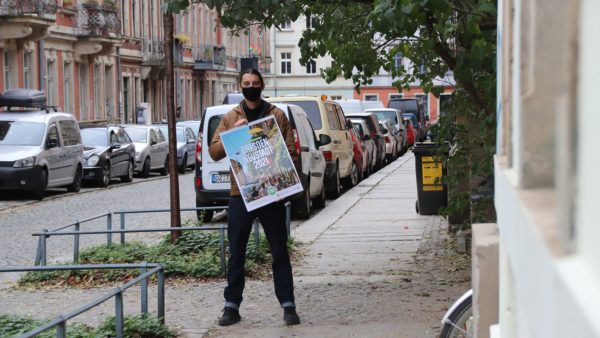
(83, 92)
(50, 85)
(67, 86)
(367, 96)
(286, 63)
(309, 22)
(8, 70)
(28, 79)
(286, 26)
(97, 83)
(311, 67)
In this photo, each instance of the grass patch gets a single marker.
(195, 254)
(133, 327)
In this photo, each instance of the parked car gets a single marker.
(186, 145)
(412, 106)
(193, 124)
(108, 153)
(327, 118)
(391, 142)
(397, 118)
(363, 132)
(374, 130)
(39, 149)
(151, 149)
(361, 156)
(410, 132)
(212, 180)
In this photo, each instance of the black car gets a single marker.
(108, 153)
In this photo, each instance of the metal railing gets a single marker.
(154, 51)
(60, 322)
(28, 7)
(95, 20)
(41, 252)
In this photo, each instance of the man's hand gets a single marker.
(240, 122)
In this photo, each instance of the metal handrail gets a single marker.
(61, 321)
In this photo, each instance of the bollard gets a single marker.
(144, 289)
(43, 247)
(76, 244)
(61, 330)
(109, 227)
(160, 297)
(122, 226)
(119, 314)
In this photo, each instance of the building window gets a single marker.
(395, 96)
(311, 67)
(27, 71)
(444, 105)
(50, 83)
(83, 92)
(371, 97)
(67, 87)
(8, 70)
(286, 25)
(286, 63)
(336, 97)
(97, 100)
(309, 22)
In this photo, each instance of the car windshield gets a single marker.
(137, 134)
(180, 133)
(17, 133)
(388, 115)
(312, 110)
(94, 137)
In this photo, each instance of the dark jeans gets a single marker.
(272, 218)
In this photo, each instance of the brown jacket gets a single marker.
(217, 152)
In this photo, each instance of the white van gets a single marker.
(39, 149)
(212, 180)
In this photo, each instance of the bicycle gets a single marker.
(458, 320)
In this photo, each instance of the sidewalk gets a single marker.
(372, 268)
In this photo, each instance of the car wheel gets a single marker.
(335, 189)
(105, 179)
(129, 176)
(40, 190)
(319, 202)
(183, 164)
(146, 168)
(165, 169)
(301, 206)
(205, 216)
(76, 185)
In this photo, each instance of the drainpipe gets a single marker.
(41, 65)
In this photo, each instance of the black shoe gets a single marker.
(230, 316)
(290, 317)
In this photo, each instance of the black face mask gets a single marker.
(252, 93)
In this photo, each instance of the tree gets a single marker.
(437, 36)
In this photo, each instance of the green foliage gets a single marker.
(195, 254)
(15, 326)
(133, 327)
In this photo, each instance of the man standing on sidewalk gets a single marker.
(271, 216)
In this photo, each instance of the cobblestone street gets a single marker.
(372, 267)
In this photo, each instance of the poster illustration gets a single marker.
(261, 163)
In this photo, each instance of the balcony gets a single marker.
(98, 28)
(26, 20)
(210, 58)
(153, 64)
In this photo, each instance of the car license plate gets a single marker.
(220, 178)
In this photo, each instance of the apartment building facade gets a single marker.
(102, 60)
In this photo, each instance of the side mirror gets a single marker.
(348, 124)
(385, 131)
(324, 139)
(115, 146)
(366, 137)
(52, 143)
(152, 142)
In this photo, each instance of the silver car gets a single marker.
(151, 149)
(186, 146)
(39, 148)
